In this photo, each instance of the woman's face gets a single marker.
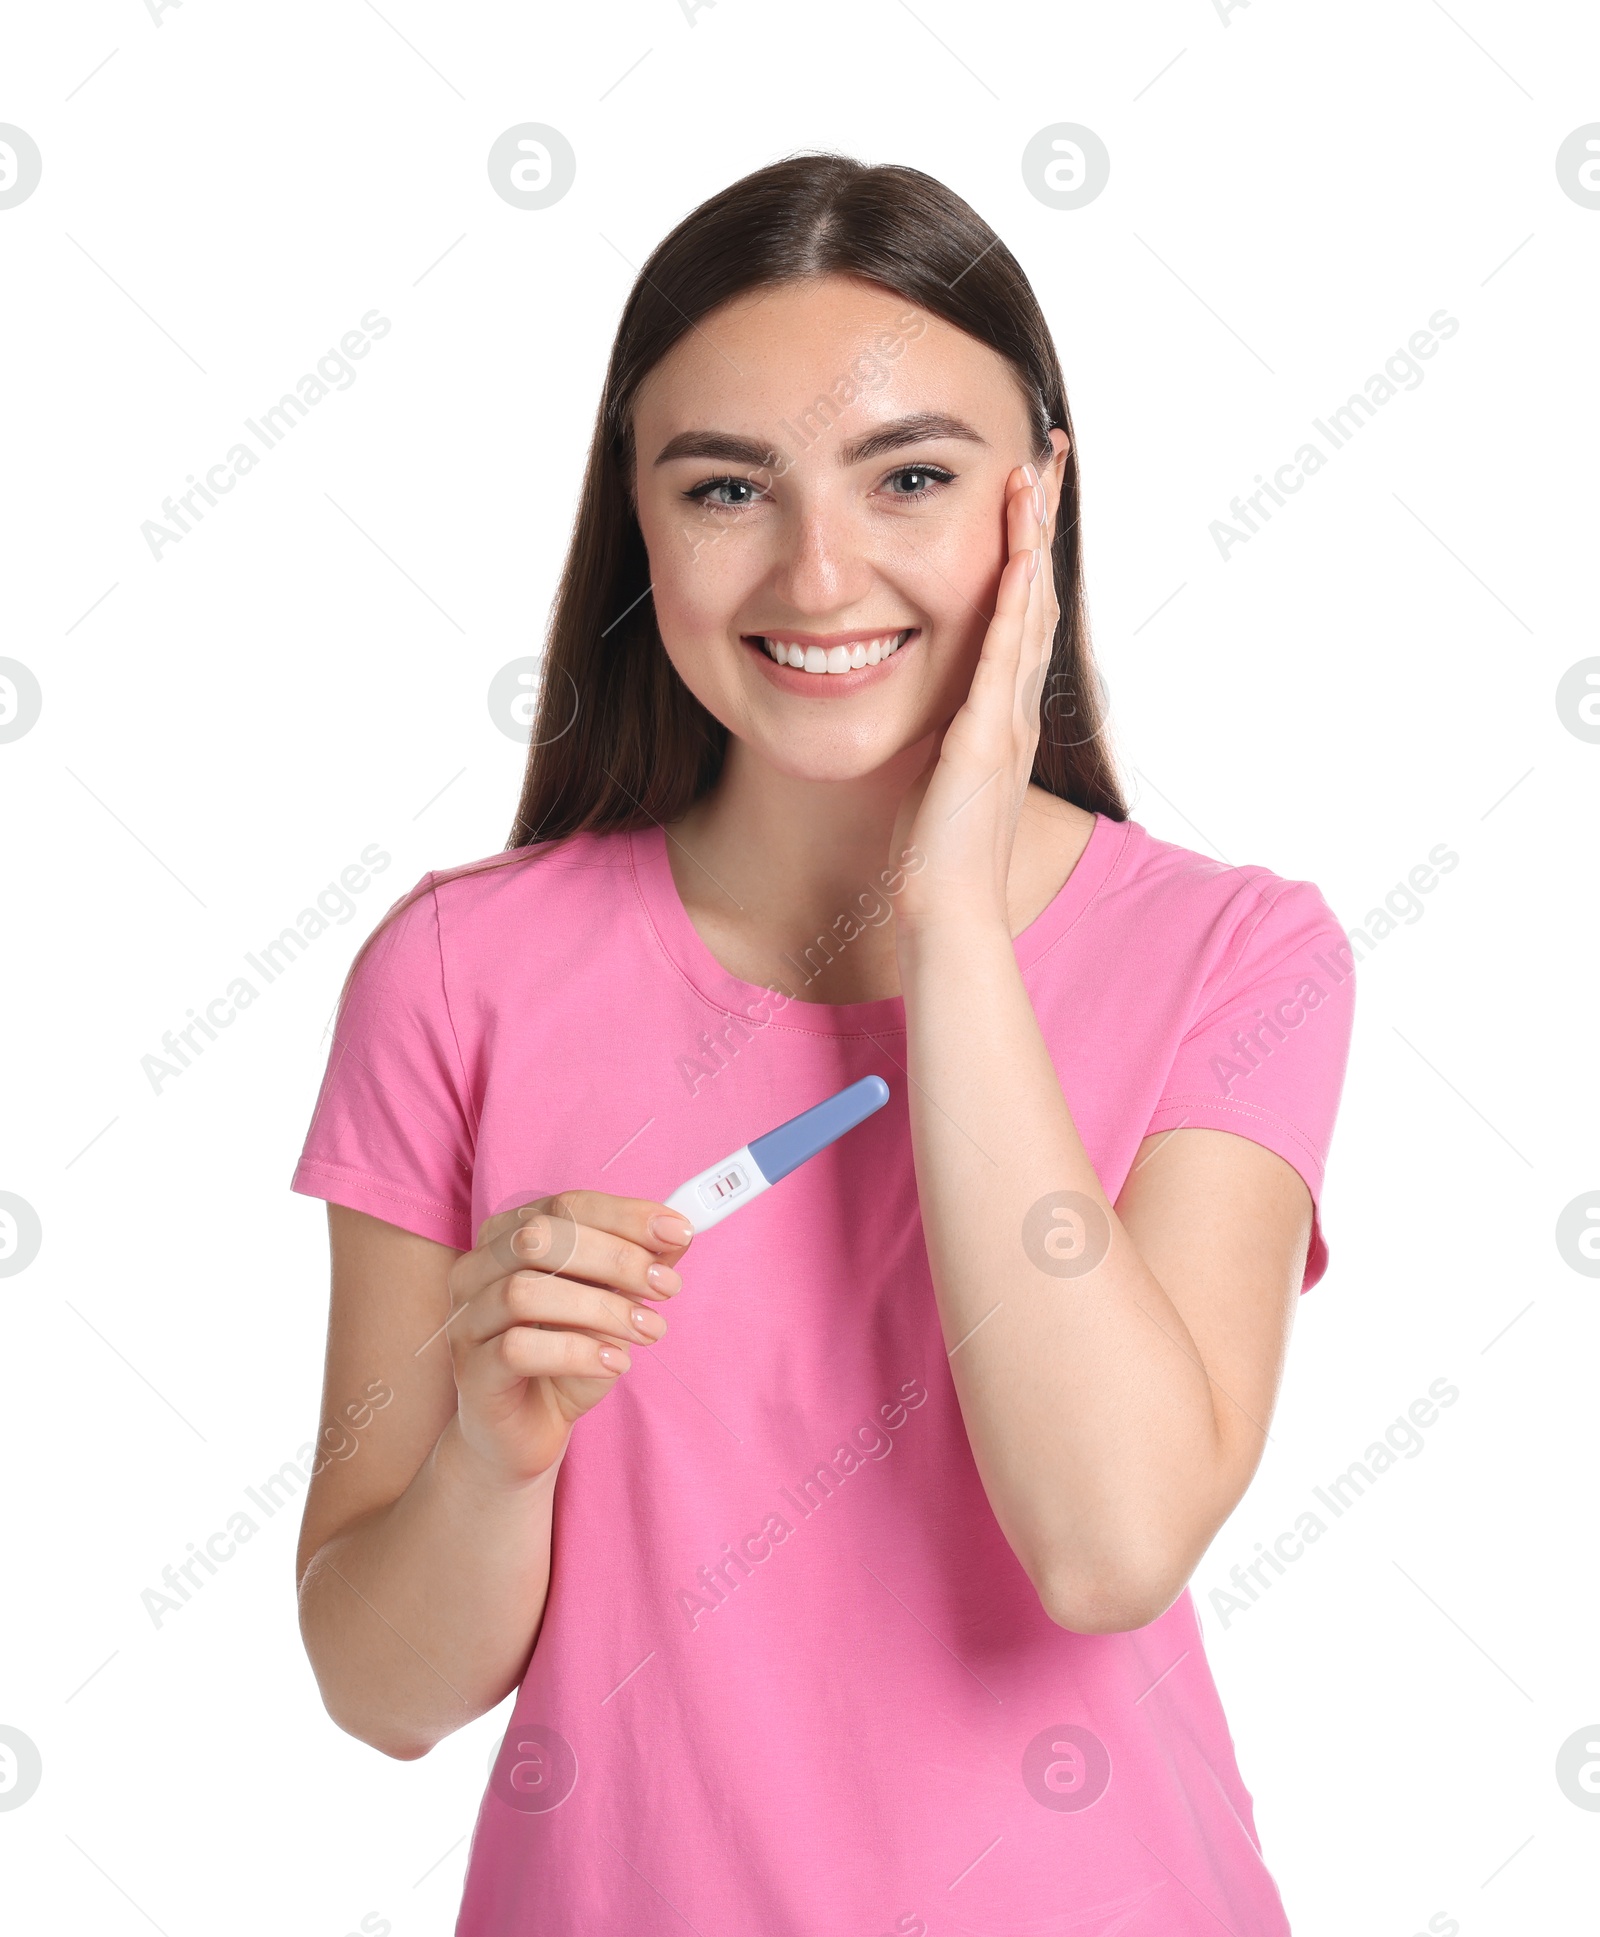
(821, 470)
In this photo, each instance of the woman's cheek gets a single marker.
(702, 577)
(959, 570)
(698, 591)
(676, 548)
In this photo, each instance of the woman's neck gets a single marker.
(792, 881)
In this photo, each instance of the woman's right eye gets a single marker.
(710, 490)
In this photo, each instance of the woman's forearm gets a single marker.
(422, 1615)
(1086, 1403)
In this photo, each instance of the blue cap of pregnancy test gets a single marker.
(787, 1147)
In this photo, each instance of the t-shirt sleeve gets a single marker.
(393, 1129)
(1265, 1057)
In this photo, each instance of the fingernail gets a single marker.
(613, 1361)
(648, 1322)
(1029, 474)
(661, 1277)
(671, 1229)
(1033, 564)
(1038, 499)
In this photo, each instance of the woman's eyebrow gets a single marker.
(726, 448)
(719, 444)
(916, 429)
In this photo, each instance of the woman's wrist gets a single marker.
(465, 1472)
(949, 927)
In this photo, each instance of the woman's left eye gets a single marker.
(920, 480)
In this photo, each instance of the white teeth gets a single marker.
(834, 659)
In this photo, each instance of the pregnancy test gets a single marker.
(707, 1199)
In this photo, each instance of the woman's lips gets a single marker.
(837, 662)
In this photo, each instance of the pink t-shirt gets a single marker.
(791, 1679)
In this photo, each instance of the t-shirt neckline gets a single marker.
(684, 947)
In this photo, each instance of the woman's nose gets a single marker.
(823, 563)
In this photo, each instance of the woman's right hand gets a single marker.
(543, 1315)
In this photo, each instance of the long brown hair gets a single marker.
(619, 741)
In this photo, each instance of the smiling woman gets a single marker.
(821, 624)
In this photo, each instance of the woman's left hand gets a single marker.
(961, 813)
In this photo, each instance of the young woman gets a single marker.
(853, 1600)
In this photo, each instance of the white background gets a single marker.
(1293, 192)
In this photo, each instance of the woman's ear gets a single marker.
(1054, 469)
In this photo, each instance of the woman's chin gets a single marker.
(831, 759)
